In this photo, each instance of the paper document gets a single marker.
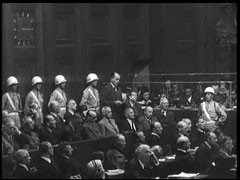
(183, 175)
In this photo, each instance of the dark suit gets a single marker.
(68, 167)
(124, 126)
(91, 131)
(196, 138)
(134, 170)
(53, 137)
(224, 162)
(167, 120)
(60, 123)
(184, 162)
(144, 124)
(109, 96)
(21, 173)
(72, 117)
(47, 170)
(195, 100)
(204, 157)
(72, 131)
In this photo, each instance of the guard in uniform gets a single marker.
(59, 94)
(36, 97)
(90, 97)
(11, 101)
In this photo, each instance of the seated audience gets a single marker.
(225, 160)
(45, 164)
(197, 136)
(69, 167)
(27, 129)
(206, 154)
(184, 160)
(128, 124)
(143, 122)
(91, 129)
(109, 126)
(175, 96)
(22, 170)
(144, 98)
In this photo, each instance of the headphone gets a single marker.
(97, 168)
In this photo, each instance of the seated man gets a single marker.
(139, 138)
(32, 140)
(132, 103)
(71, 114)
(225, 160)
(68, 166)
(49, 132)
(90, 128)
(12, 137)
(197, 136)
(116, 156)
(54, 111)
(206, 153)
(109, 126)
(184, 160)
(144, 121)
(45, 164)
(23, 170)
(189, 123)
(189, 99)
(158, 151)
(128, 124)
(175, 96)
(144, 165)
(144, 98)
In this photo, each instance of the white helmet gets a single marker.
(36, 79)
(209, 90)
(91, 77)
(12, 80)
(60, 79)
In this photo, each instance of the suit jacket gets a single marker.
(91, 131)
(224, 162)
(21, 173)
(32, 140)
(72, 117)
(124, 126)
(68, 167)
(204, 157)
(60, 123)
(184, 162)
(53, 137)
(108, 127)
(47, 170)
(169, 120)
(134, 170)
(144, 124)
(196, 138)
(194, 100)
(72, 131)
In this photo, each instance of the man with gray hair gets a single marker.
(22, 170)
(144, 121)
(109, 126)
(144, 165)
(54, 107)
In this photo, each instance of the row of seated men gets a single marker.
(212, 157)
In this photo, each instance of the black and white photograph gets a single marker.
(119, 90)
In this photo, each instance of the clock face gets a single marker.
(23, 29)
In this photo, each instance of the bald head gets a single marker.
(143, 153)
(183, 142)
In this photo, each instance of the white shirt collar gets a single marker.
(24, 165)
(71, 111)
(155, 134)
(141, 164)
(208, 145)
(54, 114)
(112, 85)
(189, 99)
(182, 150)
(46, 159)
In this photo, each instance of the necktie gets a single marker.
(133, 127)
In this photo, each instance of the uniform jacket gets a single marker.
(90, 98)
(31, 99)
(16, 99)
(56, 97)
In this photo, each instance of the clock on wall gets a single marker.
(23, 29)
